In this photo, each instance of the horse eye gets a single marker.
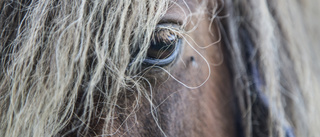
(164, 46)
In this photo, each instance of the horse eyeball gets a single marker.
(164, 47)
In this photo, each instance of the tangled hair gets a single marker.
(281, 35)
(53, 52)
(66, 63)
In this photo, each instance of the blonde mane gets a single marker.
(52, 51)
(65, 63)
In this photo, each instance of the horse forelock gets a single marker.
(60, 60)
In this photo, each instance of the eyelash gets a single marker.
(165, 45)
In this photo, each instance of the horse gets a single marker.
(225, 68)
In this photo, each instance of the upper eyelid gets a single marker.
(178, 29)
(170, 20)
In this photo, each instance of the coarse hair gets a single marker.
(283, 34)
(53, 52)
(66, 63)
